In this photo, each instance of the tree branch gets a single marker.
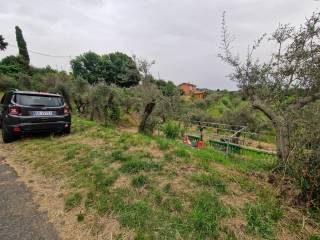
(260, 105)
(304, 101)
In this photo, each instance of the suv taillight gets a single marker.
(66, 110)
(14, 110)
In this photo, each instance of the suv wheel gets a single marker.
(6, 135)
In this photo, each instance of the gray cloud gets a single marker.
(182, 36)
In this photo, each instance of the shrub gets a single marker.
(7, 83)
(171, 129)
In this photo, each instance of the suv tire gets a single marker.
(7, 137)
(67, 130)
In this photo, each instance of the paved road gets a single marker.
(19, 218)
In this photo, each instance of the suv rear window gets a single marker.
(37, 100)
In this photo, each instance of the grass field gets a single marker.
(161, 189)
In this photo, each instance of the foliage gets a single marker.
(23, 51)
(13, 65)
(3, 44)
(80, 94)
(305, 161)
(167, 88)
(282, 88)
(284, 84)
(64, 91)
(122, 70)
(171, 129)
(114, 68)
(7, 82)
(89, 66)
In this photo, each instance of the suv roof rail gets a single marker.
(13, 89)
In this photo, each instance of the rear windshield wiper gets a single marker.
(37, 105)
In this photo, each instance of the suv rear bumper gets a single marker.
(38, 127)
(23, 125)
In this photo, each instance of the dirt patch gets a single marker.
(188, 169)
(93, 142)
(152, 149)
(156, 152)
(180, 185)
(122, 182)
(128, 130)
(116, 165)
(261, 145)
(237, 227)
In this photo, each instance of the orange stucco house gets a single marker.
(189, 89)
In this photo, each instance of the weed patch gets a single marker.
(205, 215)
(72, 200)
(119, 155)
(210, 180)
(140, 181)
(163, 143)
(135, 166)
(135, 215)
(173, 204)
(182, 152)
(262, 217)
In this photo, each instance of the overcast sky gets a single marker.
(183, 37)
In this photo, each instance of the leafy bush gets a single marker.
(304, 164)
(171, 129)
(7, 83)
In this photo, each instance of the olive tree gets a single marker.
(286, 82)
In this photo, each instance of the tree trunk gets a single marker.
(281, 127)
(282, 142)
(147, 112)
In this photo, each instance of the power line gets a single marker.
(40, 53)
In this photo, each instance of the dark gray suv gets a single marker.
(24, 112)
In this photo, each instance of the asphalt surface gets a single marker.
(19, 217)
